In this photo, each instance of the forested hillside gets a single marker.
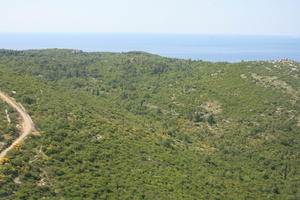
(139, 126)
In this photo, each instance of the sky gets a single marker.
(242, 17)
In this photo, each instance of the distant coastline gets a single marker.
(230, 48)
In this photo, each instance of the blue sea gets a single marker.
(230, 48)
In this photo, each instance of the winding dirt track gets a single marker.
(27, 123)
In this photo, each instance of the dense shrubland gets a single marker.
(139, 126)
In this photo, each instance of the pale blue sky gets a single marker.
(258, 17)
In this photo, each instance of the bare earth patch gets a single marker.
(243, 76)
(274, 81)
(212, 106)
(17, 180)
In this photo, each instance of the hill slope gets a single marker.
(139, 126)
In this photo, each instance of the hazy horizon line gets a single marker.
(154, 33)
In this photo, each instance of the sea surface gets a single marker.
(230, 48)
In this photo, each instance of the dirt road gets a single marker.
(27, 125)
